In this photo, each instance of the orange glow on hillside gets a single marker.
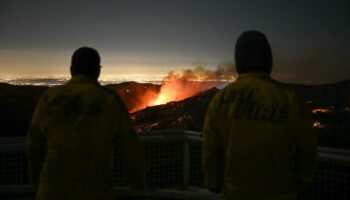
(163, 98)
(321, 110)
(179, 86)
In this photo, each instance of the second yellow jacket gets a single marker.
(258, 141)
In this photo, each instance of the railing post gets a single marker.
(186, 163)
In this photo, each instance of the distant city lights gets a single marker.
(61, 79)
(322, 110)
(317, 124)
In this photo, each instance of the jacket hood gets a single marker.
(253, 53)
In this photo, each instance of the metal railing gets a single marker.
(173, 170)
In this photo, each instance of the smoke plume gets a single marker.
(179, 86)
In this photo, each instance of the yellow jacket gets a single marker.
(258, 141)
(71, 141)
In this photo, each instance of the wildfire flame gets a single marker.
(163, 98)
(177, 87)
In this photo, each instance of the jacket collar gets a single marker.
(82, 79)
(254, 75)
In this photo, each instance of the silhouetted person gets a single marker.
(258, 141)
(72, 135)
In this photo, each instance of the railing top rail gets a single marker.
(330, 150)
(192, 193)
(12, 140)
(324, 153)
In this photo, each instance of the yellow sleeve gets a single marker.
(305, 143)
(36, 142)
(131, 151)
(211, 151)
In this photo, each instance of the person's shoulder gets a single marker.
(274, 83)
(218, 94)
(52, 91)
(49, 95)
(291, 92)
(111, 93)
(108, 91)
(56, 88)
(285, 87)
(279, 83)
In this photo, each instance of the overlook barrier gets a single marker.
(173, 170)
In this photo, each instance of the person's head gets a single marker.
(253, 53)
(86, 61)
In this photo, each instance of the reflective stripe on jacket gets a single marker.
(258, 141)
(71, 141)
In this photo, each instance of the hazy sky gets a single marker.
(310, 39)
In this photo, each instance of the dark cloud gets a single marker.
(313, 66)
(184, 30)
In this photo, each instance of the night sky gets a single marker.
(310, 39)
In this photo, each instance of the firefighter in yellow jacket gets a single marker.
(258, 141)
(72, 136)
